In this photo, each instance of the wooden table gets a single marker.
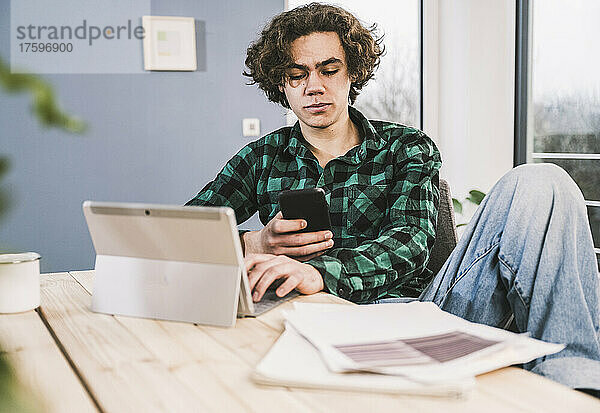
(79, 361)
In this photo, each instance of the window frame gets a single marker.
(523, 138)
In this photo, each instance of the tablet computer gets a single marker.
(182, 263)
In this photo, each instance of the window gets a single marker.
(395, 92)
(563, 104)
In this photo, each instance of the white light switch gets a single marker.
(251, 127)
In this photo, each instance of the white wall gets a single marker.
(469, 65)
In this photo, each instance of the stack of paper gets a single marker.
(411, 348)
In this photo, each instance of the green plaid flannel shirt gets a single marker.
(382, 194)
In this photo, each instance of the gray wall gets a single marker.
(152, 138)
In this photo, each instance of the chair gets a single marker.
(445, 237)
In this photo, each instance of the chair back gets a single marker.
(445, 236)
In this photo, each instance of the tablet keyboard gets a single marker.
(270, 300)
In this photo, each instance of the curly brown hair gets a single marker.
(268, 57)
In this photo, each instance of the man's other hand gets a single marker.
(263, 269)
(280, 237)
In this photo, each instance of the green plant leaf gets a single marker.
(14, 397)
(475, 196)
(4, 165)
(4, 204)
(4, 198)
(457, 205)
(45, 106)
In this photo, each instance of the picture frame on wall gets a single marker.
(169, 43)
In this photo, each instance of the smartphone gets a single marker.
(308, 204)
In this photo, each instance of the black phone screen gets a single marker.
(308, 204)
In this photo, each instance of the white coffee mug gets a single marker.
(19, 282)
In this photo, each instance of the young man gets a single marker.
(526, 260)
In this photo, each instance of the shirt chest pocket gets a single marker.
(367, 205)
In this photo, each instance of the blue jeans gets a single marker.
(526, 261)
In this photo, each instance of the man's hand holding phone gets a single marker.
(282, 237)
(275, 251)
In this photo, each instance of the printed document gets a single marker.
(412, 347)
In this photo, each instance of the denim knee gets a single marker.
(542, 179)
